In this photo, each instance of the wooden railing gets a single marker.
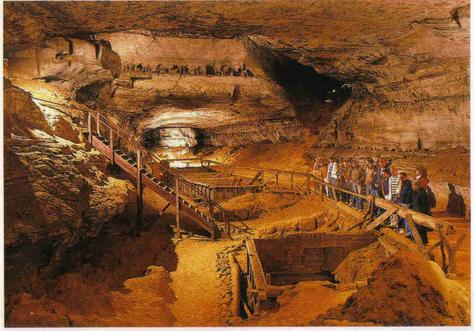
(277, 180)
(118, 140)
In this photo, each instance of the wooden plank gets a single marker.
(111, 139)
(89, 126)
(98, 123)
(416, 235)
(162, 211)
(177, 206)
(379, 220)
(138, 221)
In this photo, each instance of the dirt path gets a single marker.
(195, 284)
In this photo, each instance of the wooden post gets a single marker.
(178, 207)
(98, 123)
(138, 222)
(449, 266)
(277, 182)
(212, 217)
(416, 235)
(235, 272)
(442, 234)
(112, 153)
(89, 126)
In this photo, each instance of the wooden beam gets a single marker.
(111, 139)
(98, 123)
(212, 217)
(451, 266)
(138, 221)
(416, 236)
(162, 211)
(89, 126)
(178, 207)
(381, 218)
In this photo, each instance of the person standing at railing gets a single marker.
(394, 182)
(345, 180)
(405, 199)
(422, 178)
(327, 179)
(420, 204)
(385, 184)
(319, 170)
(357, 179)
(370, 170)
(334, 176)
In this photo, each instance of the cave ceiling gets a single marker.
(408, 58)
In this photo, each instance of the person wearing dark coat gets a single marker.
(405, 200)
(420, 204)
(406, 190)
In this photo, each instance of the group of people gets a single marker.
(208, 70)
(380, 178)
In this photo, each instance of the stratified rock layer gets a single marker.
(57, 194)
(405, 62)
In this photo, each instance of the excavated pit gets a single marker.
(303, 257)
(275, 262)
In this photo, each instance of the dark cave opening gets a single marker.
(314, 96)
(304, 85)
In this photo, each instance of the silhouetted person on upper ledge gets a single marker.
(456, 203)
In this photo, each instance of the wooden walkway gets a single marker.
(109, 140)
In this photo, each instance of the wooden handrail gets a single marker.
(419, 218)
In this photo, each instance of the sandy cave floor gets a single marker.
(185, 292)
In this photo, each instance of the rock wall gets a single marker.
(407, 62)
(57, 194)
(275, 131)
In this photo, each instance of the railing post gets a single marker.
(212, 217)
(98, 123)
(89, 126)
(138, 222)
(112, 153)
(178, 207)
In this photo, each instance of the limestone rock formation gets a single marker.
(57, 193)
(405, 62)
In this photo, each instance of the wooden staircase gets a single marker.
(130, 163)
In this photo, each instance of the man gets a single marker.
(334, 176)
(328, 175)
(369, 177)
(357, 178)
(344, 180)
(378, 177)
(422, 178)
(405, 199)
(384, 184)
(319, 170)
(406, 191)
(420, 204)
(394, 182)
